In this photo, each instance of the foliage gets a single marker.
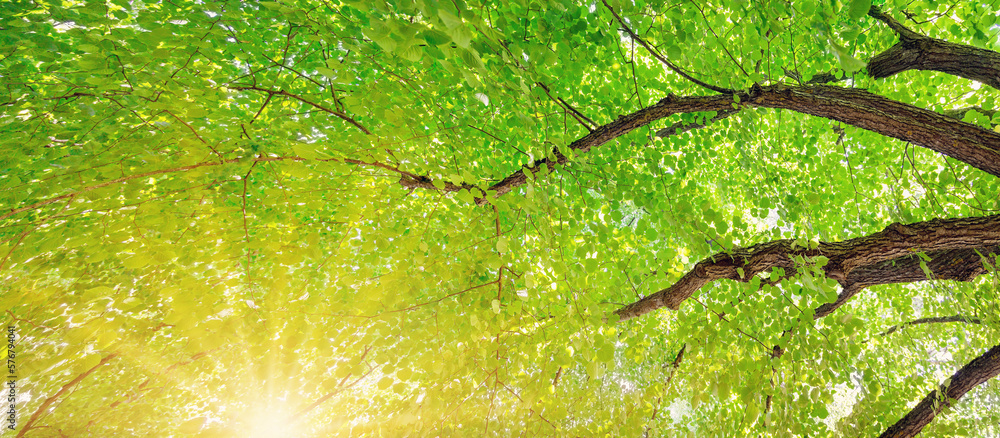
(206, 193)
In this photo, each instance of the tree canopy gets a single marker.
(518, 218)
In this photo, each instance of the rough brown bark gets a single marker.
(888, 256)
(933, 54)
(962, 141)
(953, 264)
(981, 369)
(680, 127)
(918, 52)
(664, 108)
(965, 142)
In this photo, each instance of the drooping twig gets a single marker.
(339, 114)
(661, 58)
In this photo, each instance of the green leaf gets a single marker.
(435, 37)
(192, 426)
(461, 36)
(329, 73)
(464, 196)
(848, 62)
(858, 9)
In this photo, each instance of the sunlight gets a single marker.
(269, 422)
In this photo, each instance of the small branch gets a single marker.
(498, 139)
(37, 326)
(934, 320)
(195, 132)
(31, 228)
(578, 116)
(246, 228)
(340, 388)
(334, 112)
(555, 381)
(661, 58)
(40, 204)
(438, 300)
(52, 399)
(676, 363)
(680, 127)
(405, 176)
(903, 32)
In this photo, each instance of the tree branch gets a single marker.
(918, 52)
(48, 402)
(973, 374)
(405, 178)
(953, 264)
(903, 32)
(577, 115)
(338, 114)
(664, 108)
(681, 127)
(661, 58)
(888, 256)
(965, 142)
(933, 320)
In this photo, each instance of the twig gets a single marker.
(661, 58)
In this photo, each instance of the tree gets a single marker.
(420, 218)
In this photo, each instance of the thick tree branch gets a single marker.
(888, 256)
(951, 264)
(965, 142)
(973, 374)
(664, 108)
(918, 52)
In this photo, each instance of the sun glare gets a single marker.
(271, 423)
